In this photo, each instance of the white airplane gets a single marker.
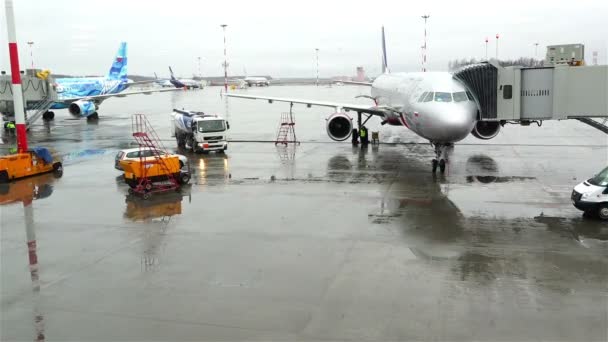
(433, 105)
(184, 82)
(257, 81)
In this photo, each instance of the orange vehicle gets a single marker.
(154, 170)
(159, 207)
(30, 163)
(27, 190)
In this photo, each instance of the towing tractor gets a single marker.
(199, 132)
(591, 196)
(35, 161)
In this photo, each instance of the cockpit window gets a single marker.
(421, 98)
(470, 96)
(460, 96)
(429, 97)
(443, 97)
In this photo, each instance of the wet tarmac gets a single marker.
(320, 241)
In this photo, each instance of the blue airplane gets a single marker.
(83, 95)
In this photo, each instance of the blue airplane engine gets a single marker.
(82, 108)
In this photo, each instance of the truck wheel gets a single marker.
(184, 178)
(3, 177)
(602, 211)
(58, 169)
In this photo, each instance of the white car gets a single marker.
(134, 154)
(591, 196)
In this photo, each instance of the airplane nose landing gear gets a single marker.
(441, 156)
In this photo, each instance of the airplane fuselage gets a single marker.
(432, 104)
(68, 88)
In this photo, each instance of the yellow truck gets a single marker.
(35, 161)
(154, 174)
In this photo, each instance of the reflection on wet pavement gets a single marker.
(320, 241)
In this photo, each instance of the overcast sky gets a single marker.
(279, 38)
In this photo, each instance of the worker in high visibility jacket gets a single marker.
(363, 135)
(10, 126)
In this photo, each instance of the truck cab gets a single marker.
(210, 134)
(199, 131)
(591, 196)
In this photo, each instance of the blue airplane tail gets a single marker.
(118, 71)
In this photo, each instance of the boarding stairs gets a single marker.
(38, 109)
(286, 132)
(147, 138)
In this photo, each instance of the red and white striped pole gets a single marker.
(16, 78)
(225, 61)
(425, 17)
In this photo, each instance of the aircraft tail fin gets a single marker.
(384, 58)
(118, 71)
(155, 76)
(171, 73)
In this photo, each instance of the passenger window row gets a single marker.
(460, 96)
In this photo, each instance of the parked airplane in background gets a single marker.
(257, 81)
(433, 105)
(83, 95)
(163, 82)
(184, 82)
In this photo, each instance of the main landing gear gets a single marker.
(441, 156)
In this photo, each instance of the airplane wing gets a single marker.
(100, 98)
(369, 84)
(374, 110)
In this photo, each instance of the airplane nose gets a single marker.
(450, 123)
(461, 121)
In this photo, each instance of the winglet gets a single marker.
(384, 58)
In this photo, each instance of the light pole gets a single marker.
(317, 50)
(425, 17)
(536, 50)
(199, 67)
(31, 44)
(225, 60)
(497, 46)
(486, 48)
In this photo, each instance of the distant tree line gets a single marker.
(522, 61)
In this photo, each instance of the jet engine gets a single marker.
(486, 130)
(339, 126)
(82, 108)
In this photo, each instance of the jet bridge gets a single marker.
(524, 95)
(38, 94)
